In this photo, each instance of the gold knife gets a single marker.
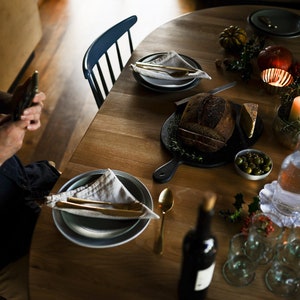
(155, 67)
(129, 205)
(105, 211)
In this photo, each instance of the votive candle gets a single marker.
(295, 110)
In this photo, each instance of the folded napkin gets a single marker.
(170, 59)
(106, 188)
(266, 205)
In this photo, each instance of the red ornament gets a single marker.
(275, 57)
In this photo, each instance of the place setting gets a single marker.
(102, 208)
(168, 72)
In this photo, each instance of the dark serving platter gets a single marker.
(190, 156)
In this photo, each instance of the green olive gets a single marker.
(239, 161)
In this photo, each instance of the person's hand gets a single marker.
(33, 113)
(12, 132)
(11, 137)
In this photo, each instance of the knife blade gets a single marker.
(105, 211)
(212, 92)
(128, 206)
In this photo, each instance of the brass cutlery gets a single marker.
(266, 21)
(105, 211)
(177, 71)
(165, 202)
(129, 205)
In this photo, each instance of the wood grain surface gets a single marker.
(125, 135)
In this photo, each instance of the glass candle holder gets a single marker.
(287, 133)
(276, 79)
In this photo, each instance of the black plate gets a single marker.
(160, 85)
(288, 23)
(193, 157)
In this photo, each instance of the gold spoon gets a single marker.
(165, 203)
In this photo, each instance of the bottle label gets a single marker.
(204, 278)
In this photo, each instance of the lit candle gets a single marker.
(295, 110)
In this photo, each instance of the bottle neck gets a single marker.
(203, 224)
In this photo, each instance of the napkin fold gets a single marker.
(106, 188)
(170, 59)
(266, 205)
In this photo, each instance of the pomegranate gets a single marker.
(275, 57)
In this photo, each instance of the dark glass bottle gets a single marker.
(199, 253)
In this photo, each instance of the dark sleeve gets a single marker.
(5, 102)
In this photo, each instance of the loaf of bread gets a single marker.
(206, 123)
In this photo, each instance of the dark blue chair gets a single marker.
(99, 58)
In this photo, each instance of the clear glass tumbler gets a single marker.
(239, 269)
(266, 230)
(283, 277)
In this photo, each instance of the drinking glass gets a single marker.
(239, 269)
(266, 230)
(292, 248)
(283, 277)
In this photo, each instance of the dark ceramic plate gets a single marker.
(288, 23)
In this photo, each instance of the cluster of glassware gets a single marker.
(265, 244)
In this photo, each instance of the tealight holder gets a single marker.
(276, 79)
(286, 132)
(286, 124)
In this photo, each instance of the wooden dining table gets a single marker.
(125, 136)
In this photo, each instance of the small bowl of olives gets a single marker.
(253, 164)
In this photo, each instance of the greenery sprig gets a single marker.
(236, 214)
(243, 62)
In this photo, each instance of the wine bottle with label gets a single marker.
(199, 253)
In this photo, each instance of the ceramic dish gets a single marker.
(102, 233)
(244, 160)
(160, 85)
(287, 23)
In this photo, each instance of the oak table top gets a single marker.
(125, 136)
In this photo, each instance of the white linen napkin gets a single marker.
(266, 205)
(106, 188)
(170, 59)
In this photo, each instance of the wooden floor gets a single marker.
(69, 26)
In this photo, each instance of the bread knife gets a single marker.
(212, 92)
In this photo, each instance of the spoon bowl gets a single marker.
(165, 203)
